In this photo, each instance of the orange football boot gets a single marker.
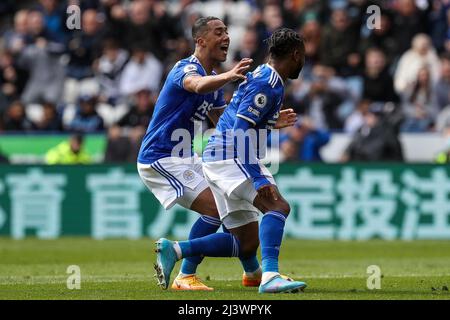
(189, 283)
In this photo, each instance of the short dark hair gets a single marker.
(283, 42)
(78, 137)
(200, 26)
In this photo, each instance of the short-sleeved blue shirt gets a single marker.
(257, 100)
(177, 108)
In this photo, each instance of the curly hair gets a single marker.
(284, 41)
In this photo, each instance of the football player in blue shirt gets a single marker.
(241, 185)
(166, 163)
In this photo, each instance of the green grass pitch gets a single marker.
(122, 269)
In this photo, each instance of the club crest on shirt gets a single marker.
(188, 175)
(260, 100)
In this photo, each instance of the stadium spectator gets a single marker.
(143, 71)
(311, 32)
(141, 111)
(303, 141)
(135, 28)
(447, 38)
(250, 48)
(378, 84)
(320, 99)
(109, 69)
(87, 119)
(123, 146)
(15, 39)
(376, 140)
(442, 89)
(408, 21)
(168, 25)
(118, 146)
(41, 58)
(316, 10)
(356, 119)
(12, 80)
(420, 54)
(69, 152)
(339, 44)
(442, 119)
(418, 104)
(54, 14)
(382, 38)
(84, 46)
(271, 19)
(437, 22)
(15, 118)
(186, 16)
(51, 120)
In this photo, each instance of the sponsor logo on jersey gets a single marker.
(254, 111)
(190, 68)
(202, 110)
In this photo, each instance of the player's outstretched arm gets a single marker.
(207, 84)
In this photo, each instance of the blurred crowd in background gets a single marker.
(372, 83)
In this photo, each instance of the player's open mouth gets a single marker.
(224, 48)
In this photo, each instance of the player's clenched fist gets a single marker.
(287, 118)
(239, 70)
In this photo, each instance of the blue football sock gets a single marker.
(270, 236)
(213, 245)
(250, 264)
(204, 226)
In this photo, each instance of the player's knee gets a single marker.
(283, 207)
(205, 204)
(213, 212)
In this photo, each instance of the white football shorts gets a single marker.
(233, 191)
(174, 180)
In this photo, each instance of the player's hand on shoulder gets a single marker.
(239, 70)
(287, 118)
(268, 191)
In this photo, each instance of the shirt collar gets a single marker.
(198, 61)
(281, 79)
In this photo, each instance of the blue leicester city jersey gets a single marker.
(257, 100)
(177, 108)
